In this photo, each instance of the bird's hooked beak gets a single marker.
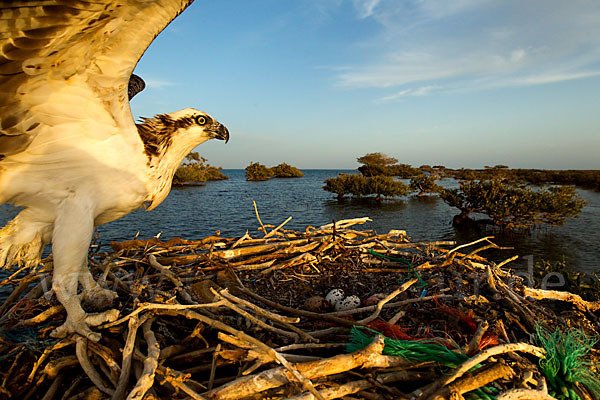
(220, 132)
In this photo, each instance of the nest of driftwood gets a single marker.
(236, 318)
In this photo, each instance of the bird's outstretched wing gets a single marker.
(92, 44)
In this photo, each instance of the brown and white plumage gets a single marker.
(70, 152)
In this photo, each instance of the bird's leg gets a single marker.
(93, 295)
(72, 234)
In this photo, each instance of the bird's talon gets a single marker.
(82, 325)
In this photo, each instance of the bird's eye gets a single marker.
(200, 120)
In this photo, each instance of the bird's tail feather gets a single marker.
(20, 246)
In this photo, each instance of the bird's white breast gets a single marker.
(80, 150)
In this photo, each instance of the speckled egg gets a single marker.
(372, 300)
(335, 296)
(316, 304)
(349, 303)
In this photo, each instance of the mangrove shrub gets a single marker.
(284, 170)
(196, 169)
(424, 184)
(510, 206)
(359, 185)
(258, 172)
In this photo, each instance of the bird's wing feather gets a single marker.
(93, 43)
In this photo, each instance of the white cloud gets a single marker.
(482, 43)
(437, 9)
(420, 91)
(424, 90)
(365, 8)
(152, 83)
(517, 55)
(549, 77)
(395, 96)
(405, 68)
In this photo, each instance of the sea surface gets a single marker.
(226, 206)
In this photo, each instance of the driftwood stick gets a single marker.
(386, 300)
(240, 240)
(478, 359)
(298, 260)
(283, 320)
(268, 235)
(487, 238)
(177, 380)
(253, 352)
(171, 351)
(43, 316)
(576, 300)
(57, 346)
(159, 306)
(582, 392)
(23, 285)
(219, 325)
(33, 388)
(54, 387)
(344, 223)
(54, 367)
(338, 391)
(106, 265)
(303, 313)
(10, 371)
(369, 357)
(213, 367)
(516, 304)
(503, 263)
(477, 379)
(301, 346)
(114, 370)
(261, 311)
(165, 271)
(473, 344)
(91, 393)
(173, 278)
(252, 318)
(81, 350)
(524, 394)
(11, 277)
(146, 381)
(294, 373)
(262, 227)
(335, 316)
(387, 305)
(133, 326)
(489, 246)
(255, 250)
(394, 320)
(491, 279)
(192, 355)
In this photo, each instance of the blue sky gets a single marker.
(318, 83)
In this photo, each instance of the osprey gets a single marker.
(70, 152)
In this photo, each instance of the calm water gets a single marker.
(196, 212)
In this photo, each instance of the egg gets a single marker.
(376, 298)
(316, 304)
(335, 296)
(349, 303)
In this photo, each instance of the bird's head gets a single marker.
(194, 125)
(179, 131)
(168, 138)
